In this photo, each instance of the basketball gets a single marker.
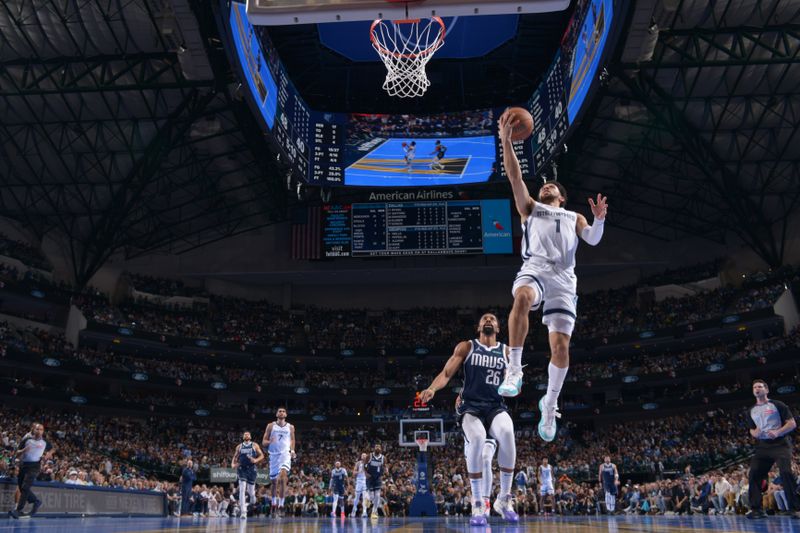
(404, 145)
(524, 126)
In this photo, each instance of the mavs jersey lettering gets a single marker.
(483, 373)
(246, 454)
(608, 478)
(337, 480)
(374, 471)
(549, 237)
(280, 439)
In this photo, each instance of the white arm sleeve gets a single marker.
(592, 234)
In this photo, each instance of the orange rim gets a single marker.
(429, 50)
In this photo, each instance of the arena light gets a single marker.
(647, 334)
(541, 386)
(219, 385)
(203, 343)
(201, 412)
(731, 319)
(51, 361)
(457, 390)
(36, 293)
(421, 351)
(527, 415)
(630, 379)
(786, 389)
(319, 418)
(383, 391)
(649, 406)
(347, 352)
(125, 331)
(140, 376)
(80, 400)
(301, 390)
(279, 349)
(715, 367)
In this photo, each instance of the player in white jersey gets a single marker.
(279, 439)
(411, 152)
(546, 487)
(547, 277)
(361, 487)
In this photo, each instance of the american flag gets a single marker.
(307, 233)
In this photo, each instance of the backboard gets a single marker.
(288, 12)
(410, 427)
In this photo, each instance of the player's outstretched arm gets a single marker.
(522, 198)
(291, 450)
(592, 234)
(450, 369)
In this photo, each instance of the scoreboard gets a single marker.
(548, 109)
(417, 228)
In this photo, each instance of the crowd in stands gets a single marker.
(603, 314)
(163, 286)
(146, 454)
(687, 274)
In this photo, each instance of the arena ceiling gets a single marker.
(695, 131)
(121, 127)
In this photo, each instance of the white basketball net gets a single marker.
(405, 47)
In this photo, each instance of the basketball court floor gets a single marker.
(621, 524)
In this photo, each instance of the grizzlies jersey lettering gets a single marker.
(375, 466)
(247, 453)
(483, 373)
(280, 439)
(360, 474)
(549, 237)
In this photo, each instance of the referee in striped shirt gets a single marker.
(30, 452)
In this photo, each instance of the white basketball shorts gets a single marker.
(556, 294)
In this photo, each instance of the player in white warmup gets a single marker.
(279, 442)
(361, 487)
(411, 152)
(547, 277)
(546, 485)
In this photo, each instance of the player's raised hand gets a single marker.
(600, 208)
(427, 395)
(505, 127)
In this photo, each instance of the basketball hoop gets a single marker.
(422, 443)
(405, 47)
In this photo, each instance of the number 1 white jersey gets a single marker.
(549, 238)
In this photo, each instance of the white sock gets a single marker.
(506, 478)
(280, 502)
(477, 490)
(275, 501)
(335, 502)
(515, 356)
(555, 381)
(242, 497)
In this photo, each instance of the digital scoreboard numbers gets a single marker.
(327, 159)
(417, 228)
(292, 127)
(522, 149)
(548, 108)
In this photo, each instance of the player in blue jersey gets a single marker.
(376, 466)
(247, 455)
(336, 485)
(481, 411)
(438, 156)
(608, 477)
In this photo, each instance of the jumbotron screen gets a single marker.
(417, 228)
(400, 150)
